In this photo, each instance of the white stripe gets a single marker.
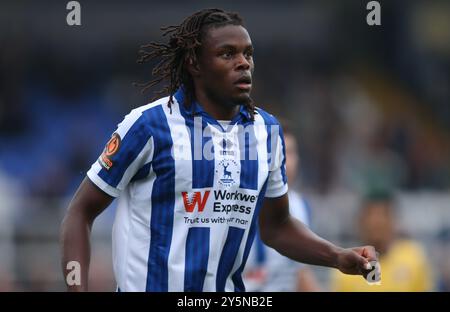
(120, 239)
(181, 150)
(218, 237)
(135, 253)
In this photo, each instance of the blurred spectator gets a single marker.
(382, 167)
(404, 265)
(267, 270)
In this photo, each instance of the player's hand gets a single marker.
(356, 260)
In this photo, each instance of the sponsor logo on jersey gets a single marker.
(228, 202)
(233, 208)
(191, 200)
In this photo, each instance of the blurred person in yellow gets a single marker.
(403, 262)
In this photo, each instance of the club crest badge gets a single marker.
(227, 171)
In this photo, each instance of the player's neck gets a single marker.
(216, 109)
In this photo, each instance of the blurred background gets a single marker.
(370, 107)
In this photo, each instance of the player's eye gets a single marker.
(226, 54)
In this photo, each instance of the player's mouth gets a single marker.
(244, 83)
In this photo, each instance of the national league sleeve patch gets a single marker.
(111, 149)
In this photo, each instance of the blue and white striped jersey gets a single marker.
(189, 193)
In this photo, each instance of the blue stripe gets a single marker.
(260, 249)
(237, 276)
(202, 169)
(283, 163)
(249, 168)
(131, 145)
(163, 201)
(197, 254)
(142, 173)
(228, 256)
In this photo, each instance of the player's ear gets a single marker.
(192, 66)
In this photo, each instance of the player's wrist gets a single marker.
(336, 253)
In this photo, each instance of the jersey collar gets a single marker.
(197, 109)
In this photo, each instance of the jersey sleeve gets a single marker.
(277, 180)
(129, 150)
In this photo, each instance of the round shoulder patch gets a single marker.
(113, 145)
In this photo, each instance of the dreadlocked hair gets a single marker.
(184, 41)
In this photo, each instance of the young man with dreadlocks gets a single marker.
(194, 172)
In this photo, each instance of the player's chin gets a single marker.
(242, 97)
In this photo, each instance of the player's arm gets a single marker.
(88, 202)
(293, 239)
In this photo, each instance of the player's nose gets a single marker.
(242, 62)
